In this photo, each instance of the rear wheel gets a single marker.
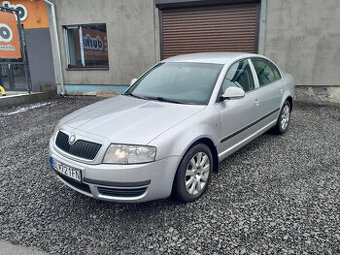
(284, 119)
(193, 174)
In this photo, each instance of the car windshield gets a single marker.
(184, 83)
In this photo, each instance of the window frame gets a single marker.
(272, 66)
(82, 67)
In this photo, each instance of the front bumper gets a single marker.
(121, 183)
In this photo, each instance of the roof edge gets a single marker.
(170, 4)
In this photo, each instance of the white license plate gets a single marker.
(66, 170)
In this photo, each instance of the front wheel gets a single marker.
(193, 174)
(284, 119)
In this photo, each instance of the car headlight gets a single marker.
(129, 154)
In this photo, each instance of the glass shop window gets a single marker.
(86, 46)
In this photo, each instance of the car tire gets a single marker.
(283, 121)
(193, 174)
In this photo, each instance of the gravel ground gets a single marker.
(277, 195)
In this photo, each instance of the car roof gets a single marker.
(210, 57)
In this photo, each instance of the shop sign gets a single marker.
(20, 8)
(9, 36)
(95, 44)
(32, 14)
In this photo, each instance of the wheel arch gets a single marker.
(207, 141)
(290, 100)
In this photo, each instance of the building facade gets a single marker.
(104, 44)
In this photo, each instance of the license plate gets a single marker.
(68, 171)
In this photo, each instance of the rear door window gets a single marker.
(266, 71)
(276, 71)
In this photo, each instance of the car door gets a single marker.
(270, 91)
(237, 115)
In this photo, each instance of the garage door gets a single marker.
(204, 29)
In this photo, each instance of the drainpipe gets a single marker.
(54, 20)
(263, 21)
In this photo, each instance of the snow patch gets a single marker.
(25, 109)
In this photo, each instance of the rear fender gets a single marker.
(289, 87)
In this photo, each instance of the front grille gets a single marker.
(80, 148)
(82, 186)
(121, 192)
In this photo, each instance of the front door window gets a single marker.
(239, 75)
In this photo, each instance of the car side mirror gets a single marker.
(233, 93)
(133, 81)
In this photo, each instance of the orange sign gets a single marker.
(33, 14)
(9, 36)
(95, 44)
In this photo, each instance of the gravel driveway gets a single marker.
(278, 195)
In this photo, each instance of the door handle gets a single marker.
(257, 101)
(281, 90)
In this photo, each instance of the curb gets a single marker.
(16, 100)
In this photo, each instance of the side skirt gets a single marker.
(240, 144)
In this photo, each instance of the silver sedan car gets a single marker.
(170, 129)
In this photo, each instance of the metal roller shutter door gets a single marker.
(204, 29)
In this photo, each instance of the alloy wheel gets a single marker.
(285, 116)
(197, 173)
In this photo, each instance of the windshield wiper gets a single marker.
(133, 95)
(162, 99)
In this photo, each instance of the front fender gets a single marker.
(177, 140)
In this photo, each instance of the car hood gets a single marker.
(124, 119)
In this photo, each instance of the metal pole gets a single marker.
(23, 55)
(262, 30)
